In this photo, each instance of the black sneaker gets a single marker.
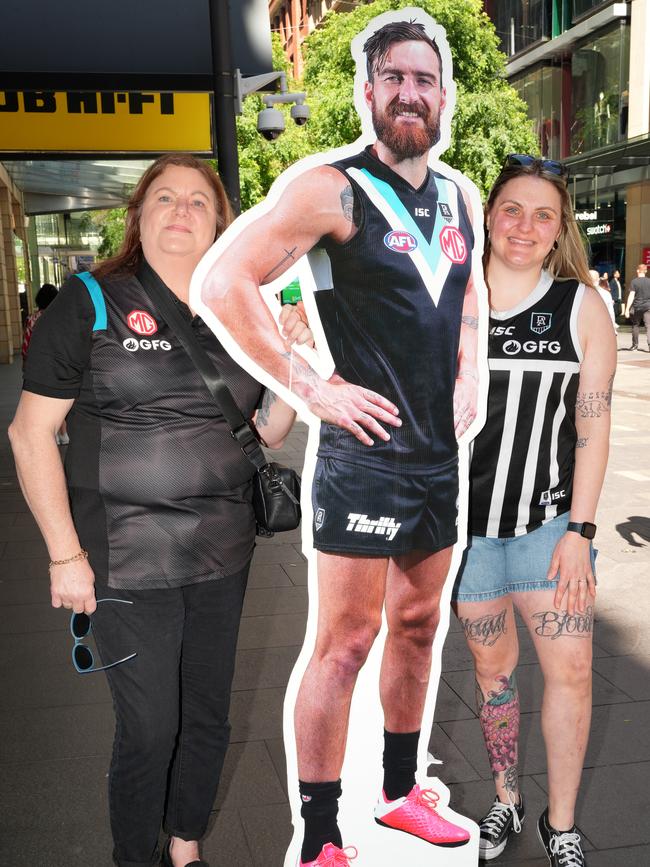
(563, 849)
(497, 826)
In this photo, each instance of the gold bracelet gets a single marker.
(81, 555)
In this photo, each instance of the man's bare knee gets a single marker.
(345, 653)
(416, 624)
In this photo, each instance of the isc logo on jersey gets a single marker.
(142, 323)
(453, 245)
(400, 241)
(133, 345)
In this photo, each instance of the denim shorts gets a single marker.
(495, 567)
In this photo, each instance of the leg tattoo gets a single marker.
(499, 718)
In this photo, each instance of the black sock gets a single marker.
(320, 807)
(400, 763)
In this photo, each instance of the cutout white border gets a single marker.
(362, 772)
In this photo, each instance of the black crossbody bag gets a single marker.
(276, 489)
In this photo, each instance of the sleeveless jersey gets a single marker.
(523, 459)
(392, 312)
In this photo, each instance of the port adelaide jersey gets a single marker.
(523, 459)
(391, 307)
(159, 490)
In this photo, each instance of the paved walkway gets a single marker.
(56, 726)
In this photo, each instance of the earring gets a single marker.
(555, 244)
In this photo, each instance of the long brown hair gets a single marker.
(568, 258)
(127, 258)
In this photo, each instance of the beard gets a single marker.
(405, 141)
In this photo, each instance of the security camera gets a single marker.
(270, 123)
(300, 113)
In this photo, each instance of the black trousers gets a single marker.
(171, 706)
(640, 317)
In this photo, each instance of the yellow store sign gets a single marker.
(107, 122)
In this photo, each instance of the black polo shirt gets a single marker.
(160, 492)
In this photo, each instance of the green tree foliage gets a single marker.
(111, 230)
(490, 120)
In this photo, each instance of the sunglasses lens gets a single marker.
(80, 625)
(83, 657)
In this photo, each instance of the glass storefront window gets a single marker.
(521, 23)
(541, 91)
(582, 7)
(599, 87)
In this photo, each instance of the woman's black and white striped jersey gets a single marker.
(523, 459)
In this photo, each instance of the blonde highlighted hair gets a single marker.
(568, 258)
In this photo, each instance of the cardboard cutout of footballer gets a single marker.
(386, 242)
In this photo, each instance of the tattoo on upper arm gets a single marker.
(347, 203)
(555, 624)
(581, 442)
(289, 254)
(264, 411)
(485, 630)
(470, 321)
(593, 404)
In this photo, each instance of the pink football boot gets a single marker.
(415, 814)
(332, 856)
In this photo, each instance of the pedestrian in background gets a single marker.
(638, 305)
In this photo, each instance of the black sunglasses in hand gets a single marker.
(82, 656)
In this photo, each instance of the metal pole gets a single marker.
(224, 130)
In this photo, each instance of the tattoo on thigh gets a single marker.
(554, 624)
(499, 718)
(485, 630)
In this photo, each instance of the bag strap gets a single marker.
(240, 430)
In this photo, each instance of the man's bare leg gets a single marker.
(413, 588)
(350, 602)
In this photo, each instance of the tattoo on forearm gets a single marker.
(289, 256)
(347, 203)
(499, 718)
(265, 409)
(593, 404)
(555, 624)
(304, 371)
(485, 630)
(470, 321)
(581, 442)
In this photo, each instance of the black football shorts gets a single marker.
(376, 512)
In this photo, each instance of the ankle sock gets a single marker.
(320, 807)
(400, 763)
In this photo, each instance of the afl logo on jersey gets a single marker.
(400, 241)
(453, 245)
(141, 322)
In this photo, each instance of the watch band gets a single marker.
(586, 529)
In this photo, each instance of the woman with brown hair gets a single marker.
(537, 470)
(152, 516)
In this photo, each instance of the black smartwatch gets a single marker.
(586, 530)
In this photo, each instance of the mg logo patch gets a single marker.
(142, 323)
(453, 245)
(540, 322)
(400, 241)
(319, 518)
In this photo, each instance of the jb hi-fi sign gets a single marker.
(105, 122)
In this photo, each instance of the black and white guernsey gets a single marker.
(523, 459)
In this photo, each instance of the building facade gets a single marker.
(570, 60)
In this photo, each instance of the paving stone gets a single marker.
(279, 630)
(12, 502)
(27, 651)
(43, 734)
(613, 805)
(28, 591)
(225, 843)
(263, 668)
(449, 705)
(275, 747)
(455, 767)
(16, 570)
(297, 572)
(282, 553)
(634, 856)
(256, 714)
(248, 769)
(33, 618)
(268, 833)
(275, 600)
(25, 532)
(34, 548)
(631, 674)
(44, 686)
(268, 575)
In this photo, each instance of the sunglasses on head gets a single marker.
(552, 166)
(82, 656)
